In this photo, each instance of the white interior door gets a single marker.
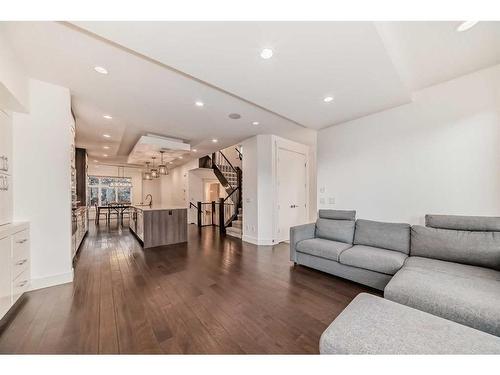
(292, 191)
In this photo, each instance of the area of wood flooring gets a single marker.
(212, 295)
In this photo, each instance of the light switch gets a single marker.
(331, 200)
(321, 200)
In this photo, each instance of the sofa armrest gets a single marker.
(299, 233)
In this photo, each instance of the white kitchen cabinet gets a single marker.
(15, 272)
(5, 168)
(5, 275)
(5, 142)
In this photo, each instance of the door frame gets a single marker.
(285, 144)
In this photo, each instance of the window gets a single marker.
(104, 190)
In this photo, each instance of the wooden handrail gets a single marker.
(240, 155)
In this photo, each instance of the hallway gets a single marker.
(211, 295)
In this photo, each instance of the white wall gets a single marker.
(42, 184)
(439, 154)
(174, 187)
(232, 155)
(152, 187)
(14, 94)
(260, 216)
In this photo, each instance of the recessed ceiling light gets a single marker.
(170, 162)
(180, 157)
(101, 69)
(199, 104)
(107, 117)
(215, 140)
(255, 123)
(328, 99)
(464, 26)
(96, 161)
(194, 150)
(266, 53)
(106, 136)
(105, 155)
(106, 147)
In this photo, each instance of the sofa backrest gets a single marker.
(476, 248)
(471, 223)
(336, 225)
(337, 214)
(391, 236)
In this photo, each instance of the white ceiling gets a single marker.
(142, 96)
(311, 60)
(366, 66)
(157, 70)
(428, 53)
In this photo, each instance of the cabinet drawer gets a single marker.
(21, 246)
(20, 285)
(20, 266)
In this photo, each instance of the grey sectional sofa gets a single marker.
(375, 325)
(453, 271)
(450, 268)
(367, 252)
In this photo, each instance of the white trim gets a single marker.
(45, 282)
(256, 241)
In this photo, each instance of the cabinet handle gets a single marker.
(22, 241)
(4, 164)
(4, 183)
(21, 262)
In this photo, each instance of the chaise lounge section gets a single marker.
(374, 325)
(453, 271)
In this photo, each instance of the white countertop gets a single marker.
(159, 207)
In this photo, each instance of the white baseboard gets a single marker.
(45, 282)
(257, 241)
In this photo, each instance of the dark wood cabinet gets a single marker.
(81, 176)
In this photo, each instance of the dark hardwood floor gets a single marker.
(211, 295)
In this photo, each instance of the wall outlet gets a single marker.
(331, 200)
(321, 200)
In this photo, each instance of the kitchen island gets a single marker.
(158, 225)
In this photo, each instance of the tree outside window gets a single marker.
(103, 190)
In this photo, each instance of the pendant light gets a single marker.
(154, 171)
(147, 174)
(162, 168)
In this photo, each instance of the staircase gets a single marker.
(230, 178)
(236, 228)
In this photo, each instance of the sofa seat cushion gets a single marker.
(452, 268)
(373, 259)
(466, 294)
(322, 248)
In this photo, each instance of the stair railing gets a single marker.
(225, 210)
